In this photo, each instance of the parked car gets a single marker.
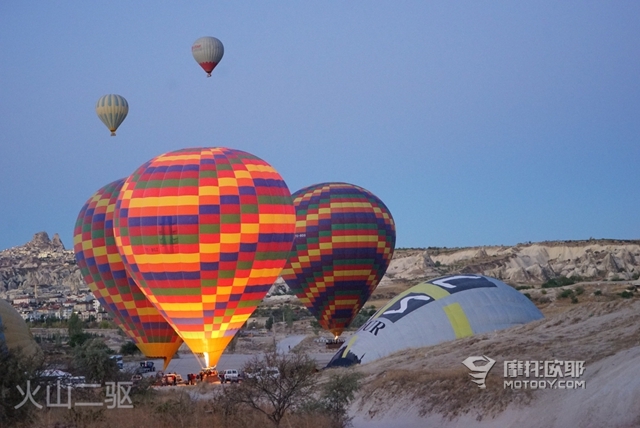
(119, 361)
(231, 376)
(267, 372)
(146, 366)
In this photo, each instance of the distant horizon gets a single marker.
(51, 235)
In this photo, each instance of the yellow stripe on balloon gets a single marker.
(209, 248)
(230, 238)
(209, 191)
(172, 158)
(276, 219)
(242, 174)
(458, 320)
(228, 182)
(99, 251)
(181, 307)
(249, 228)
(158, 259)
(114, 258)
(335, 205)
(259, 168)
(352, 239)
(163, 201)
(262, 273)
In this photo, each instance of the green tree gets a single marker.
(275, 395)
(269, 323)
(16, 368)
(288, 316)
(77, 336)
(129, 348)
(335, 397)
(92, 359)
(75, 325)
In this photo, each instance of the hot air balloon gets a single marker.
(112, 109)
(436, 311)
(344, 241)
(14, 332)
(207, 51)
(205, 232)
(104, 272)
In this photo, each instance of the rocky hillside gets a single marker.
(532, 263)
(45, 262)
(42, 262)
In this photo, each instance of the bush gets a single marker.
(273, 396)
(129, 348)
(92, 360)
(561, 281)
(17, 368)
(597, 293)
(335, 397)
(626, 295)
(544, 299)
(579, 290)
(565, 293)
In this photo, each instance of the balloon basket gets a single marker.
(335, 343)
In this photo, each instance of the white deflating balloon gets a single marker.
(436, 311)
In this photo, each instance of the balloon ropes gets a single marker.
(207, 51)
(103, 270)
(344, 241)
(112, 109)
(205, 232)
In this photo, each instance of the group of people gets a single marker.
(207, 375)
(170, 379)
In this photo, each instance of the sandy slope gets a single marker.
(430, 387)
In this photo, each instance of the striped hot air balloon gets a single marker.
(112, 109)
(205, 232)
(104, 272)
(207, 51)
(344, 241)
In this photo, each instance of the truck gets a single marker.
(146, 366)
(118, 360)
(231, 376)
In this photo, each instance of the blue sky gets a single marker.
(477, 123)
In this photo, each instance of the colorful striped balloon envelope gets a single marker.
(104, 272)
(344, 241)
(205, 232)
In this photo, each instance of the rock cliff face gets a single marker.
(525, 263)
(45, 262)
(42, 262)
